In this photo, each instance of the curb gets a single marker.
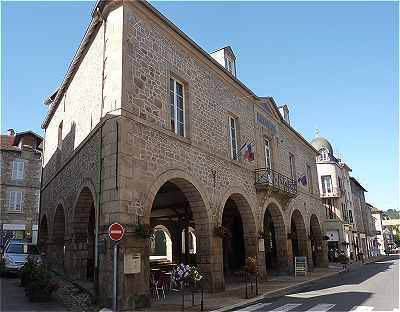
(271, 293)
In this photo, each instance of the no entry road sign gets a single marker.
(116, 231)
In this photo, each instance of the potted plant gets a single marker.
(39, 286)
(144, 231)
(27, 271)
(222, 231)
(251, 264)
(265, 235)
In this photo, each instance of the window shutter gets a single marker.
(14, 170)
(11, 201)
(21, 170)
(18, 205)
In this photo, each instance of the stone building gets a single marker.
(336, 196)
(149, 130)
(360, 210)
(20, 171)
(377, 216)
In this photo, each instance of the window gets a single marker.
(15, 201)
(267, 149)
(323, 154)
(17, 169)
(340, 183)
(310, 181)
(292, 166)
(326, 182)
(229, 65)
(350, 216)
(344, 212)
(233, 137)
(177, 107)
(60, 134)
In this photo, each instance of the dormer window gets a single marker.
(229, 65)
(323, 154)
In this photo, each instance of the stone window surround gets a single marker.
(187, 104)
(238, 142)
(18, 168)
(13, 209)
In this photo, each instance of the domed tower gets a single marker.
(323, 146)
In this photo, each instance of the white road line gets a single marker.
(361, 309)
(321, 308)
(253, 307)
(286, 307)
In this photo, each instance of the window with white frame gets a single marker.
(229, 65)
(326, 182)
(310, 181)
(323, 154)
(17, 172)
(267, 151)
(292, 166)
(233, 137)
(177, 107)
(15, 201)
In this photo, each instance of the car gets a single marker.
(16, 253)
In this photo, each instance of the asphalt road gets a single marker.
(369, 287)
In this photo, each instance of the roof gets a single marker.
(358, 184)
(84, 45)
(10, 142)
(320, 143)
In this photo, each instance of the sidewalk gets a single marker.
(12, 298)
(234, 295)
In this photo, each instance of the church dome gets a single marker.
(319, 143)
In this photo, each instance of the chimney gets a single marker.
(284, 110)
(10, 132)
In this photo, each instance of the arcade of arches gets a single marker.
(184, 233)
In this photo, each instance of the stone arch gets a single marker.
(43, 234)
(298, 233)
(275, 238)
(168, 240)
(317, 242)
(58, 238)
(195, 200)
(236, 215)
(80, 251)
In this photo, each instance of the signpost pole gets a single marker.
(115, 267)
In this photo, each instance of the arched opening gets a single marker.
(179, 207)
(82, 247)
(316, 242)
(59, 239)
(161, 248)
(241, 239)
(43, 236)
(233, 243)
(275, 241)
(298, 235)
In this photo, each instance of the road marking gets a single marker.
(253, 307)
(321, 307)
(361, 309)
(286, 307)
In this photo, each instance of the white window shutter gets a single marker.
(11, 201)
(18, 205)
(21, 170)
(14, 170)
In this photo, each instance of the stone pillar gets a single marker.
(309, 256)
(290, 260)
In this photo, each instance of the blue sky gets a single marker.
(335, 64)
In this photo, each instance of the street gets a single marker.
(370, 287)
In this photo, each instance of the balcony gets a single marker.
(266, 178)
(332, 192)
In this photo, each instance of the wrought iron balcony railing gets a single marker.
(277, 181)
(332, 192)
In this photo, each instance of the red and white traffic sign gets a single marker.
(116, 231)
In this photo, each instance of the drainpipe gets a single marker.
(100, 163)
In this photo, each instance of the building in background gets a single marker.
(21, 163)
(336, 196)
(377, 216)
(360, 208)
(390, 228)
